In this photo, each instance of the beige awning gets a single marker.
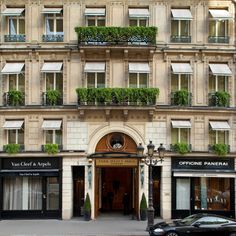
(13, 11)
(181, 68)
(181, 14)
(138, 13)
(219, 125)
(13, 68)
(220, 14)
(52, 10)
(51, 125)
(94, 67)
(52, 67)
(13, 124)
(135, 67)
(95, 12)
(181, 124)
(220, 69)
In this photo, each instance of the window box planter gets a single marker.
(181, 148)
(181, 98)
(13, 148)
(15, 98)
(52, 98)
(219, 99)
(51, 148)
(220, 149)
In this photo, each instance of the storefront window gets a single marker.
(22, 193)
(52, 193)
(212, 194)
(182, 194)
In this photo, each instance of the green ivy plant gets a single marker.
(11, 148)
(181, 148)
(53, 96)
(51, 148)
(15, 97)
(116, 35)
(220, 149)
(181, 98)
(222, 98)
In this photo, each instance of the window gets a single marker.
(212, 194)
(52, 193)
(138, 80)
(182, 194)
(16, 82)
(218, 132)
(218, 26)
(180, 131)
(180, 25)
(96, 80)
(138, 17)
(53, 131)
(179, 82)
(16, 25)
(95, 16)
(54, 81)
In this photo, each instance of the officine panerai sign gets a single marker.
(30, 163)
(203, 164)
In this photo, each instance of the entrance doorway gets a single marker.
(117, 190)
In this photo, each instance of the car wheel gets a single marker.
(232, 234)
(172, 233)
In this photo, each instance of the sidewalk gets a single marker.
(76, 227)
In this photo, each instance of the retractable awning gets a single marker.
(12, 68)
(219, 125)
(51, 10)
(220, 14)
(181, 68)
(220, 69)
(139, 67)
(95, 12)
(52, 67)
(13, 11)
(139, 13)
(94, 67)
(13, 124)
(51, 125)
(181, 14)
(181, 124)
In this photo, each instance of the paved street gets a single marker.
(75, 227)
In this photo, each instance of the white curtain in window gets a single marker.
(182, 194)
(48, 31)
(12, 27)
(35, 194)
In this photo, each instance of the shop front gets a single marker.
(30, 187)
(203, 185)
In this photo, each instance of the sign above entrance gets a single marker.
(116, 162)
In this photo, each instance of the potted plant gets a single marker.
(222, 98)
(51, 148)
(220, 149)
(181, 98)
(52, 97)
(181, 148)
(11, 148)
(87, 208)
(143, 208)
(15, 97)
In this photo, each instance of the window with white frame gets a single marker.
(138, 75)
(218, 25)
(95, 16)
(218, 77)
(138, 17)
(180, 25)
(180, 131)
(16, 25)
(218, 132)
(53, 131)
(54, 24)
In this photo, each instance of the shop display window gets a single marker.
(212, 194)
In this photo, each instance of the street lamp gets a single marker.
(151, 161)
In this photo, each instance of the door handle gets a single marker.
(44, 196)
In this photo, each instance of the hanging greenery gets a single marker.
(15, 98)
(11, 148)
(181, 148)
(181, 98)
(51, 148)
(52, 97)
(220, 149)
(222, 98)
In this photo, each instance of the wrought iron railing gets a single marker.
(14, 38)
(180, 39)
(218, 39)
(9, 101)
(53, 38)
(47, 101)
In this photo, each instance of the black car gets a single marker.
(199, 224)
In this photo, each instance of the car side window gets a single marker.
(209, 220)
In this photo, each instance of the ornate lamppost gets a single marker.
(151, 161)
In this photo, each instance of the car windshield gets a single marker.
(188, 220)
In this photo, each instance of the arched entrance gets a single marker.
(116, 175)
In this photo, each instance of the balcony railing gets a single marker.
(9, 99)
(180, 39)
(53, 37)
(56, 100)
(117, 96)
(181, 98)
(116, 35)
(219, 99)
(14, 38)
(218, 39)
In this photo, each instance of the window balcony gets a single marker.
(53, 37)
(92, 35)
(52, 98)
(50, 149)
(13, 148)
(221, 149)
(180, 39)
(117, 96)
(219, 99)
(181, 148)
(14, 98)
(181, 98)
(218, 39)
(14, 38)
